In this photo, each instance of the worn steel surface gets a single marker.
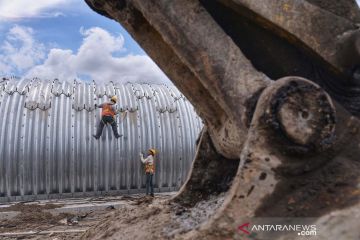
(46, 148)
(277, 85)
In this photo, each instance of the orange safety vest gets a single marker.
(149, 168)
(107, 110)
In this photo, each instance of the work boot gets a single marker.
(117, 136)
(96, 137)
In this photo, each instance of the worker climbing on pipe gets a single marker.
(149, 170)
(107, 117)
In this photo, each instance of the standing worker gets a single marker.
(107, 117)
(149, 170)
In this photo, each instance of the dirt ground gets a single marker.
(134, 217)
(137, 217)
(34, 221)
(156, 218)
(31, 217)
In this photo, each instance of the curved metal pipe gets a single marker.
(46, 148)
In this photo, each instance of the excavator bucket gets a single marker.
(277, 84)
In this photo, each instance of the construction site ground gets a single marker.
(69, 218)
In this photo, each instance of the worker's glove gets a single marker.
(141, 155)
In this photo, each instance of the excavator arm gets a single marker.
(277, 84)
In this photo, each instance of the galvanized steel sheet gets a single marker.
(47, 151)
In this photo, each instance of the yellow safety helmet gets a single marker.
(153, 151)
(114, 99)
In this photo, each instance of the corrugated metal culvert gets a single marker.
(47, 149)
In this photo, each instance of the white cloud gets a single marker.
(19, 50)
(95, 60)
(18, 9)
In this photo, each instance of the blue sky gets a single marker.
(65, 39)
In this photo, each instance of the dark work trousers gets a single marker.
(149, 183)
(107, 120)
